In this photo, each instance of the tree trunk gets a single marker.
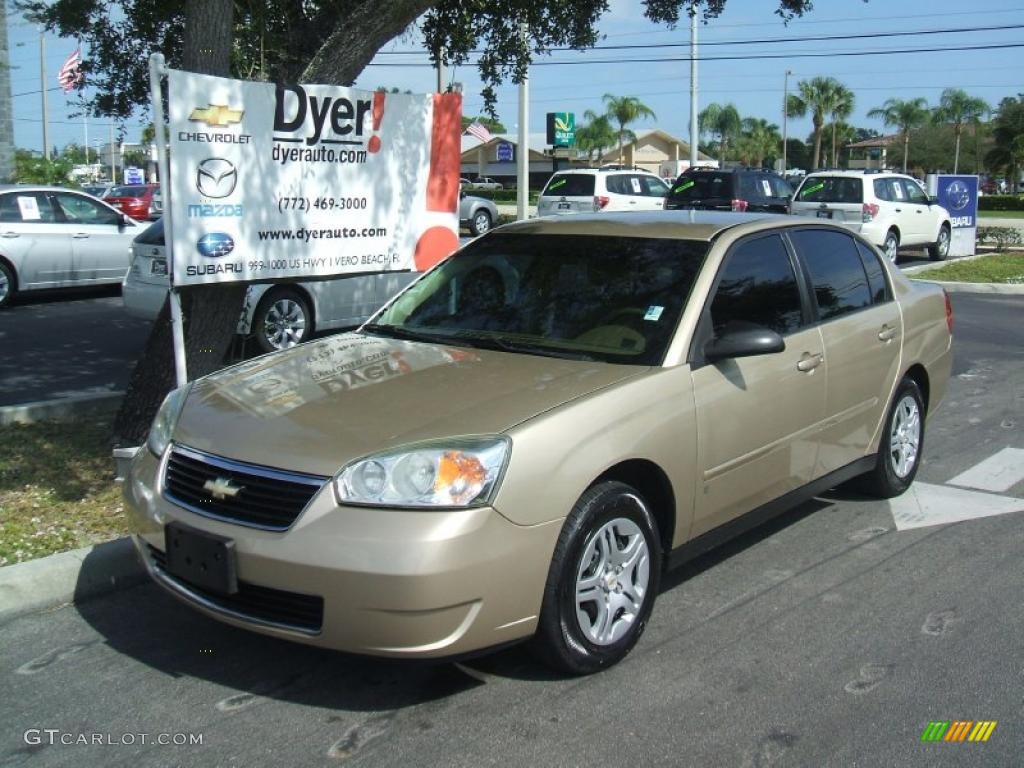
(906, 149)
(956, 152)
(211, 312)
(817, 146)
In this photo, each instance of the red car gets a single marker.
(136, 200)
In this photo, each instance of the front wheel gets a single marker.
(480, 223)
(899, 453)
(602, 581)
(891, 245)
(6, 285)
(282, 320)
(939, 250)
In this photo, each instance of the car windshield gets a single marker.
(614, 299)
(571, 185)
(831, 189)
(132, 190)
(702, 186)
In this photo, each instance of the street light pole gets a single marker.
(785, 117)
(694, 134)
(42, 87)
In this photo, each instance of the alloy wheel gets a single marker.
(285, 323)
(905, 436)
(612, 580)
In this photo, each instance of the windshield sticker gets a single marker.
(898, 190)
(811, 190)
(556, 184)
(653, 313)
(29, 209)
(635, 182)
(684, 186)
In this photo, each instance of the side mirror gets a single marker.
(747, 341)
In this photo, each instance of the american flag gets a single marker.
(477, 129)
(70, 73)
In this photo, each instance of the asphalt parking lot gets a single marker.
(831, 637)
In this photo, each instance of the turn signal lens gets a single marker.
(740, 205)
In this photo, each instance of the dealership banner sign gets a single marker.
(959, 196)
(271, 182)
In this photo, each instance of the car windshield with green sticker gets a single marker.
(570, 185)
(831, 189)
(613, 299)
(703, 185)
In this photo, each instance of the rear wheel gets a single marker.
(891, 245)
(939, 250)
(602, 581)
(899, 453)
(6, 285)
(480, 223)
(282, 320)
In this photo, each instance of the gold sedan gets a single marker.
(520, 443)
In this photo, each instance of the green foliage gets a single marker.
(1008, 136)
(906, 115)
(1001, 203)
(759, 140)
(597, 135)
(30, 168)
(823, 97)
(997, 268)
(491, 124)
(722, 121)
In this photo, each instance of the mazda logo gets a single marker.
(216, 177)
(215, 244)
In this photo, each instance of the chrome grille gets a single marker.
(262, 497)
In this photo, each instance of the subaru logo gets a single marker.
(216, 177)
(215, 244)
(958, 194)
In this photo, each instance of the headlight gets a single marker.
(166, 418)
(462, 472)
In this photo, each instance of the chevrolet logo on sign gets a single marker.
(221, 488)
(216, 115)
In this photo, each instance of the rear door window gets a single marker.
(653, 186)
(571, 185)
(914, 192)
(835, 269)
(876, 273)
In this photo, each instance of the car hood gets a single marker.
(316, 407)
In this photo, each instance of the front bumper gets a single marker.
(393, 582)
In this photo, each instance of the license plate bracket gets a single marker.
(824, 214)
(202, 559)
(564, 206)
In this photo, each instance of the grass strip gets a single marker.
(997, 268)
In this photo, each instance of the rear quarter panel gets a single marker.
(926, 337)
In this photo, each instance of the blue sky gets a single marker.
(755, 86)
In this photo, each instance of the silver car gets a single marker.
(55, 238)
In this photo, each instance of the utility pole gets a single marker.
(7, 166)
(785, 117)
(694, 134)
(42, 88)
(523, 164)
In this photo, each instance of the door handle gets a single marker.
(80, 235)
(898, 210)
(886, 333)
(11, 234)
(809, 362)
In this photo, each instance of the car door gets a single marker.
(654, 191)
(757, 417)
(100, 241)
(919, 214)
(34, 242)
(862, 329)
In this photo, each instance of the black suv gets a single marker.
(734, 189)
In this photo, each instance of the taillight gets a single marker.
(949, 312)
(868, 212)
(600, 201)
(740, 205)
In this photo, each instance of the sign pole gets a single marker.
(158, 69)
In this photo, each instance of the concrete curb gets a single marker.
(65, 409)
(75, 576)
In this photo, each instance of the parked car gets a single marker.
(485, 182)
(55, 238)
(97, 190)
(519, 444)
(755, 190)
(588, 190)
(279, 316)
(136, 200)
(476, 214)
(893, 210)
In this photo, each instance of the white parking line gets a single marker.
(924, 505)
(998, 473)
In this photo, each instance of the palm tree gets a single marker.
(625, 110)
(842, 135)
(841, 109)
(724, 122)
(760, 139)
(596, 136)
(906, 115)
(819, 96)
(956, 106)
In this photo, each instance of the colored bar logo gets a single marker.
(958, 730)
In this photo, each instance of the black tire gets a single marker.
(481, 222)
(939, 250)
(891, 245)
(8, 285)
(282, 319)
(889, 478)
(617, 512)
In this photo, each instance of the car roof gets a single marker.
(681, 225)
(857, 174)
(596, 171)
(35, 188)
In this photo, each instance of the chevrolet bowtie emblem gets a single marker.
(221, 488)
(216, 114)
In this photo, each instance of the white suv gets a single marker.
(588, 190)
(892, 209)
